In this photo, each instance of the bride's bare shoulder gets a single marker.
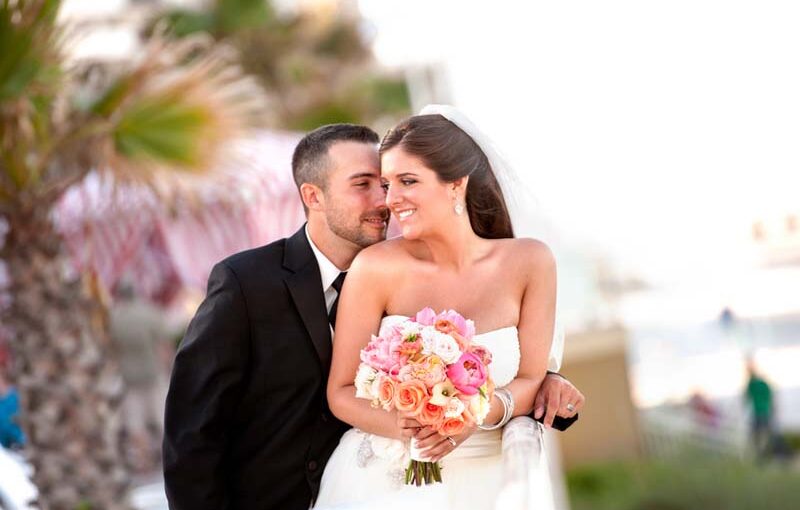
(382, 257)
(528, 254)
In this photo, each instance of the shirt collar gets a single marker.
(327, 269)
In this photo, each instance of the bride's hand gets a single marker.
(411, 428)
(434, 446)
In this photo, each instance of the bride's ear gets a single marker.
(459, 186)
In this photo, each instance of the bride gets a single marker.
(457, 251)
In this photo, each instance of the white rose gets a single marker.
(446, 348)
(365, 382)
(428, 334)
(479, 407)
(454, 408)
(409, 329)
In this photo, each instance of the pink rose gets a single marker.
(410, 348)
(426, 316)
(484, 354)
(430, 370)
(460, 323)
(467, 374)
(384, 354)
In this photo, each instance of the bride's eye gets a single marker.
(407, 182)
(385, 186)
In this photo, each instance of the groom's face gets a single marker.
(355, 206)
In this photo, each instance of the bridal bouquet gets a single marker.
(428, 367)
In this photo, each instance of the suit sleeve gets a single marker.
(203, 395)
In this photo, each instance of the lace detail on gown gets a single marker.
(368, 468)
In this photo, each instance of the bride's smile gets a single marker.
(420, 201)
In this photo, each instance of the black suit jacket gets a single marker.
(247, 423)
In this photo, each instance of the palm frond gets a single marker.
(27, 36)
(179, 109)
(30, 75)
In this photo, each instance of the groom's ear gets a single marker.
(312, 195)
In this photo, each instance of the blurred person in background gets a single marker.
(704, 413)
(141, 337)
(11, 435)
(759, 396)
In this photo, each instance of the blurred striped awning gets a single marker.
(121, 230)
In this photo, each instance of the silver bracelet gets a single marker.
(507, 399)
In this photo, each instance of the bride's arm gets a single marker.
(361, 307)
(536, 323)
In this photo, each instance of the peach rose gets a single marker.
(410, 396)
(452, 426)
(431, 414)
(428, 369)
(386, 392)
(448, 328)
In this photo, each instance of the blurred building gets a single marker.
(777, 240)
(596, 362)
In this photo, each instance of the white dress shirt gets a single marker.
(327, 270)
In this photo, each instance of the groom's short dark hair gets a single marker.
(309, 161)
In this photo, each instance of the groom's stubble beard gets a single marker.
(354, 229)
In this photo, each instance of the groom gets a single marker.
(247, 423)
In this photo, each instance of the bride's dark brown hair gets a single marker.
(452, 154)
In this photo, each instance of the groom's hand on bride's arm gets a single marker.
(558, 402)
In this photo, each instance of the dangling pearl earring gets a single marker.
(459, 209)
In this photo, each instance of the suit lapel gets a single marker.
(305, 287)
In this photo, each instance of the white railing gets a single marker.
(526, 476)
(674, 431)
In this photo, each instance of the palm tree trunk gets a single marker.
(62, 364)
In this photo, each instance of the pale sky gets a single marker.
(657, 131)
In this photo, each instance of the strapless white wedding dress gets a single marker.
(366, 471)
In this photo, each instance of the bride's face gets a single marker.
(419, 201)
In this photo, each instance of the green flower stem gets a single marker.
(419, 472)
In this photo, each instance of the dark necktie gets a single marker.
(337, 285)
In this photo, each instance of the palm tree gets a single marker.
(166, 118)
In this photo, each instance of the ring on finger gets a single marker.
(570, 407)
(451, 441)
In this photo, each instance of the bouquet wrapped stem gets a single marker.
(421, 471)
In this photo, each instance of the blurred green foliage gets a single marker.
(691, 482)
(316, 67)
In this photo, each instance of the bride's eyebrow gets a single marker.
(406, 174)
